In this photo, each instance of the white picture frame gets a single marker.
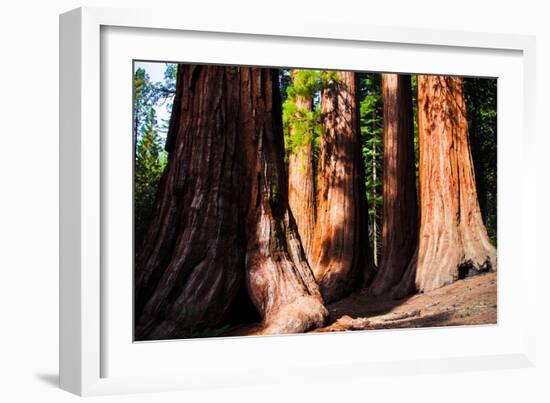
(96, 354)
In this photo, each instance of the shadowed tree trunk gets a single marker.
(301, 188)
(453, 241)
(400, 218)
(191, 265)
(340, 246)
(221, 215)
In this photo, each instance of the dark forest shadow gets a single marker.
(362, 305)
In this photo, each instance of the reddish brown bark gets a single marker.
(340, 245)
(301, 187)
(279, 279)
(222, 218)
(453, 239)
(400, 217)
(191, 265)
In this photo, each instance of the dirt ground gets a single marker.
(472, 301)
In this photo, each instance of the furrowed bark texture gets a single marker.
(191, 265)
(279, 279)
(340, 245)
(453, 241)
(222, 219)
(301, 187)
(400, 218)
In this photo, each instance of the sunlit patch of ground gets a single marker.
(472, 301)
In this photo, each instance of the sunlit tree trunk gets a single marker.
(301, 187)
(374, 206)
(340, 247)
(221, 216)
(453, 241)
(400, 214)
(279, 278)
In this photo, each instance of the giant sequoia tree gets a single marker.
(221, 214)
(453, 240)
(301, 126)
(225, 235)
(400, 222)
(340, 246)
(279, 279)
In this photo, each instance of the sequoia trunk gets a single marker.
(400, 218)
(221, 216)
(340, 244)
(192, 261)
(453, 241)
(301, 188)
(279, 279)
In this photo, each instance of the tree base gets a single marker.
(304, 314)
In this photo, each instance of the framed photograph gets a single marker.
(236, 198)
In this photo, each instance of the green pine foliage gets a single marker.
(149, 141)
(306, 125)
(329, 78)
(150, 163)
(306, 84)
(372, 132)
(481, 103)
(144, 98)
(148, 94)
(284, 83)
(164, 91)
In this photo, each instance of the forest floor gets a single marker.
(472, 301)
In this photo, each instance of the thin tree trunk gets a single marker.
(340, 247)
(222, 217)
(453, 240)
(400, 217)
(301, 188)
(374, 206)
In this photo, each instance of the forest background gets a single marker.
(155, 87)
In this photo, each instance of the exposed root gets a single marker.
(305, 313)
